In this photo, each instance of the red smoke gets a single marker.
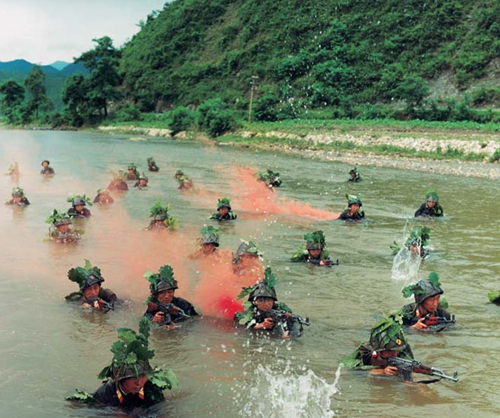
(254, 196)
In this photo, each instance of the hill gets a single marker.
(344, 56)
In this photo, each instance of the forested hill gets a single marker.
(315, 53)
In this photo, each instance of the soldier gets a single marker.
(386, 340)
(353, 212)
(415, 243)
(271, 178)
(132, 173)
(315, 252)
(185, 183)
(78, 209)
(91, 294)
(18, 198)
(355, 176)
(224, 212)
(264, 312)
(118, 183)
(103, 197)
(130, 381)
(209, 240)
(247, 259)
(46, 169)
(431, 207)
(161, 218)
(164, 308)
(152, 165)
(427, 313)
(13, 170)
(142, 183)
(60, 230)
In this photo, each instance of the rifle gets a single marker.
(106, 305)
(68, 237)
(406, 367)
(167, 310)
(434, 322)
(317, 262)
(284, 320)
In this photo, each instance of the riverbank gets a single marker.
(449, 149)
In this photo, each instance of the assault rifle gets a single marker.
(106, 305)
(436, 323)
(406, 367)
(168, 309)
(285, 320)
(327, 262)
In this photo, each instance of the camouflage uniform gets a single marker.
(47, 171)
(76, 201)
(346, 214)
(427, 211)
(314, 241)
(152, 165)
(224, 202)
(18, 192)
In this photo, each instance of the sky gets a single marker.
(44, 31)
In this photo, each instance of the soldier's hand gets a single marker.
(322, 263)
(159, 317)
(288, 315)
(268, 323)
(98, 304)
(390, 371)
(85, 306)
(420, 325)
(175, 310)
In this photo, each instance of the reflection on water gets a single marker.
(48, 347)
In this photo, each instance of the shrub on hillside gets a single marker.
(128, 113)
(182, 119)
(215, 117)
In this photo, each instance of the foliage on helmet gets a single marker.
(418, 236)
(431, 196)
(131, 166)
(165, 274)
(388, 330)
(143, 176)
(351, 199)
(356, 173)
(58, 217)
(270, 281)
(17, 192)
(494, 296)
(210, 234)
(160, 213)
(315, 240)
(76, 199)
(417, 289)
(224, 202)
(81, 275)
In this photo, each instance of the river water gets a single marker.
(49, 347)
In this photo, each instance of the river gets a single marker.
(49, 347)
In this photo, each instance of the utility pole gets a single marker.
(252, 84)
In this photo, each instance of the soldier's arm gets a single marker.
(107, 295)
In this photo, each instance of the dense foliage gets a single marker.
(359, 58)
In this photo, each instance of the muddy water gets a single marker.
(48, 347)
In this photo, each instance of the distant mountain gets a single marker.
(59, 65)
(71, 69)
(24, 66)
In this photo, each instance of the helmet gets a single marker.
(263, 291)
(65, 220)
(92, 279)
(131, 166)
(17, 192)
(427, 290)
(246, 248)
(387, 335)
(164, 285)
(126, 371)
(352, 199)
(46, 161)
(431, 196)
(78, 201)
(210, 236)
(143, 177)
(224, 203)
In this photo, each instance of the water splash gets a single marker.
(405, 265)
(290, 392)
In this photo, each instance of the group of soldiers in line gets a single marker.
(130, 381)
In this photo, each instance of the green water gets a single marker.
(48, 347)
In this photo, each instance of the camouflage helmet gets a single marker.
(424, 289)
(210, 235)
(150, 160)
(262, 291)
(179, 173)
(86, 276)
(315, 240)
(352, 199)
(17, 192)
(224, 202)
(387, 335)
(431, 196)
(46, 161)
(163, 280)
(78, 201)
(249, 248)
(125, 371)
(59, 218)
(143, 177)
(131, 166)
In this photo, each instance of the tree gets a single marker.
(35, 85)
(75, 97)
(103, 79)
(12, 98)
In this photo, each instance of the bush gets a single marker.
(182, 119)
(265, 109)
(128, 113)
(495, 157)
(215, 118)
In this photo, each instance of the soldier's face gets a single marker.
(92, 292)
(63, 228)
(45, 164)
(354, 208)
(133, 385)
(431, 204)
(224, 211)
(208, 248)
(166, 296)
(131, 171)
(17, 199)
(315, 253)
(431, 304)
(264, 304)
(143, 182)
(79, 208)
